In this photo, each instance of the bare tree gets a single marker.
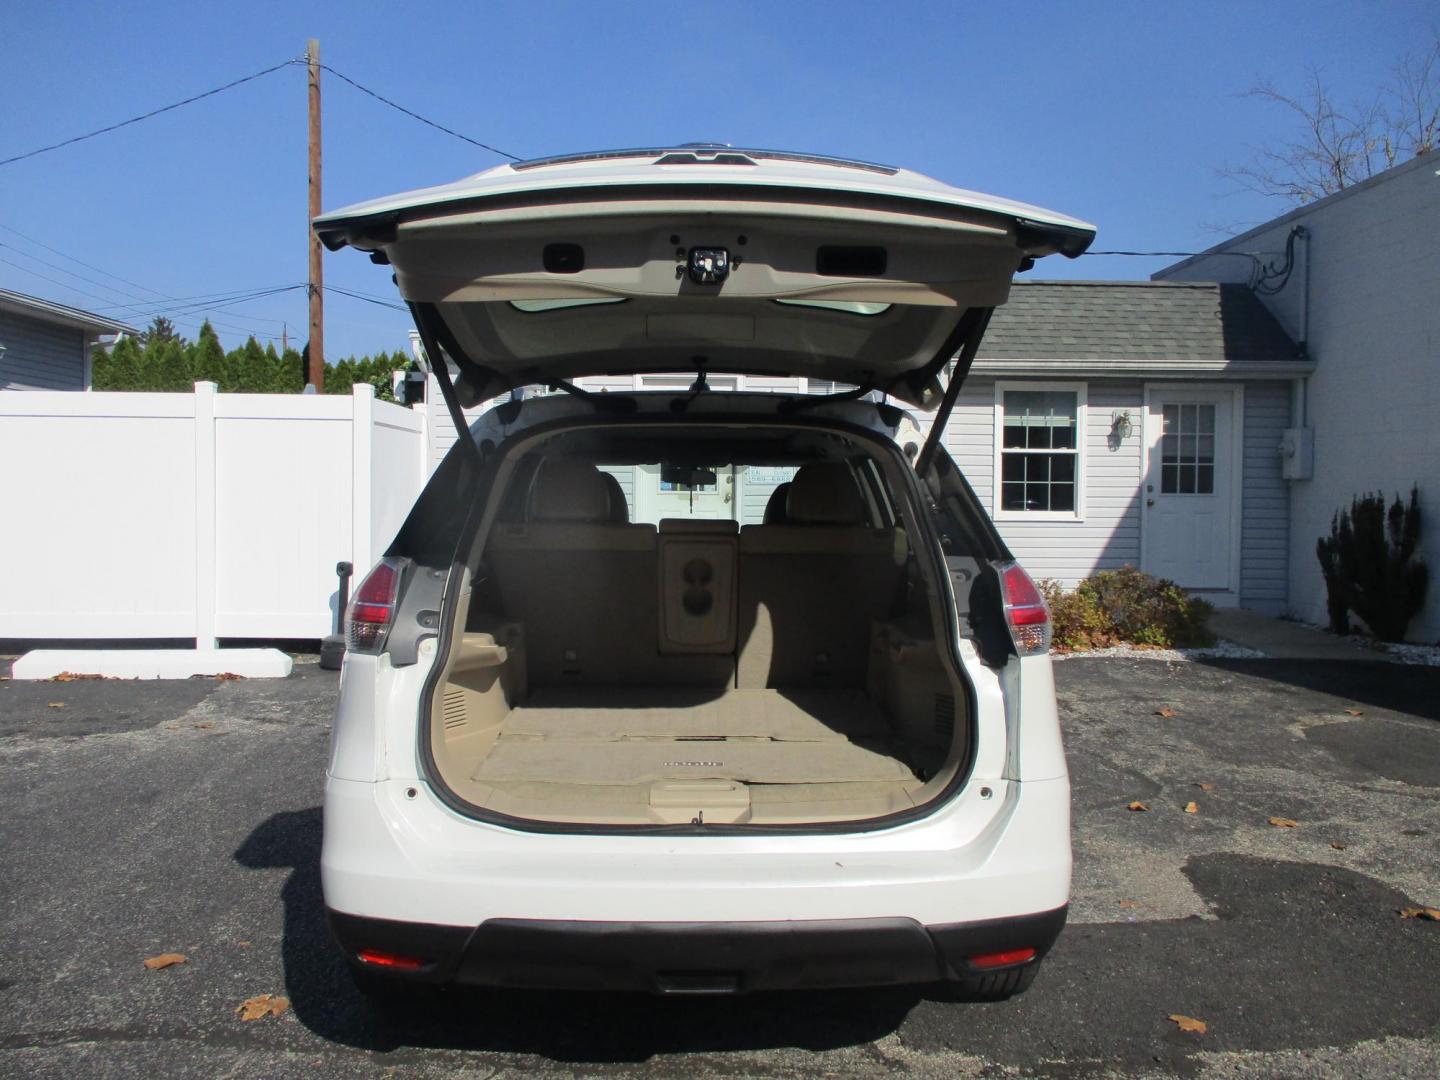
(1337, 146)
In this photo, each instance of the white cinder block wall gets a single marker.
(1373, 272)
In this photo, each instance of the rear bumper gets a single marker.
(693, 958)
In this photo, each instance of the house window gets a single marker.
(1187, 450)
(1040, 450)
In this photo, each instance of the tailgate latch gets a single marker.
(709, 265)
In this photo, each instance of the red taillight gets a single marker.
(1008, 958)
(372, 608)
(1025, 611)
(396, 961)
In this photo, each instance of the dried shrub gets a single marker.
(1127, 606)
(1076, 619)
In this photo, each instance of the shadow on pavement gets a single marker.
(1382, 684)
(567, 1027)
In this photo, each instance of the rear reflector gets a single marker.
(1025, 612)
(1009, 957)
(372, 608)
(395, 961)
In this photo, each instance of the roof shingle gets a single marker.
(1170, 322)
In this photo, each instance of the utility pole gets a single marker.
(315, 370)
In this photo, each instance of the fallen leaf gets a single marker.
(227, 675)
(1205, 785)
(1165, 711)
(164, 960)
(1137, 805)
(204, 725)
(1337, 847)
(1430, 914)
(243, 944)
(1354, 712)
(1130, 903)
(261, 1005)
(72, 676)
(1284, 823)
(1192, 808)
(1189, 1023)
(55, 704)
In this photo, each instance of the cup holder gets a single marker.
(698, 600)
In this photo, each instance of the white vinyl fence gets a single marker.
(199, 515)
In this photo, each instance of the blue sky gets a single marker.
(1119, 113)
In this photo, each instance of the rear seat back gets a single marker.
(582, 584)
(810, 589)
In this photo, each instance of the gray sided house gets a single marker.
(46, 346)
(1113, 423)
(1360, 287)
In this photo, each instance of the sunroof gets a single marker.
(702, 154)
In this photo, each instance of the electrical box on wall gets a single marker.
(1297, 453)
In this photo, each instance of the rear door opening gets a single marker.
(695, 670)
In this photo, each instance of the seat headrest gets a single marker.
(775, 507)
(619, 508)
(824, 493)
(570, 491)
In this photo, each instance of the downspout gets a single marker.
(1300, 404)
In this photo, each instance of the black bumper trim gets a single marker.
(692, 958)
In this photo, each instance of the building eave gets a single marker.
(59, 315)
(1147, 368)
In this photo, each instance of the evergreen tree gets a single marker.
(160, 329)
(208, 359)
(122, 369)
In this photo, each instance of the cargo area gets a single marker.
(694, 671)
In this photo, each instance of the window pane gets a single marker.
(1205, 480)
(1207, 419)
(1012, 466)
(1063, 438)
(1062, 497)
(1037, 468)
(1206, 451)
(1062, 468)
(1171, 421)
(1170, 449)
(1169, 479)
(1014, 434)
(1187, 479)
(1012, 496)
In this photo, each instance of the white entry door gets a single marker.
(1189, 520)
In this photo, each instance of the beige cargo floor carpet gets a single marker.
(608, 736)
(806, 715)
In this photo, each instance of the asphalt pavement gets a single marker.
(143, 817)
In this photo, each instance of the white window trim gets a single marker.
(1080, 390)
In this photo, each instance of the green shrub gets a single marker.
(1371, 565)
(1126, 606)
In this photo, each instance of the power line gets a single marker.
(145, 307)
(1171, 254)
(414, 115)
(148, 115)
(106, 273)
(368, 299)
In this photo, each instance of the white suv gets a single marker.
(686, 691)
